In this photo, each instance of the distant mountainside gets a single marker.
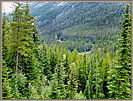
(61, 15)
(81, 25)
(77, 22)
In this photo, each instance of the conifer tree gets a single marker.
(55, 92)
(89, 86)
(53, 58)
(72, 86)
(31, 26)
(6, 79)
(104, 72)
(120, 85)
(19, 90)
(93, 89)
(82, 74)
(29, 40)
(6, 70)
(66, 68)
(45, 61)
(17, 34)
(5, 35)
(74, 56)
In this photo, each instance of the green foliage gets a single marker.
(72, 86)
(33, 70)
(120, 84)
(5, 35)
(73, 23)
(54, 91)
(18, 85)
(79, 96)
(6, 85)
(106, 65)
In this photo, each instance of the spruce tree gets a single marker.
(30, 40)
(120, 85)
(55, 92)
(106, 65)
(6, 81)
(6, 70)
(5, 35)
(82, 74)
(93, 89)
(72, 86)
(16, 47)
(66, 67)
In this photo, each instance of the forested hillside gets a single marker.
(32, 69)
(73, 23)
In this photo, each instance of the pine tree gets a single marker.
(93, 89)
(82, 74)
(89, 86)
(31, 26)
(60, 77)
(17, 34)
(5, 35)
(106, 65)
(74, 57)
(29, 40)
(45, 61)
(66, 68)
(19, 90)
(6, 70)
(53, 59)
(120, 85)
(6, 79)
(72, 86)
(55, 92)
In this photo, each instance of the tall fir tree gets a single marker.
(5, 35)
(106, 65)
(16, 36)
(120, 85)
(6, 70)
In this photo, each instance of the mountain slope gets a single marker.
(77, 21)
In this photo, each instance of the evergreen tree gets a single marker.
(74, 57)
(72, 86)
(120, 86)
(5, 35)
(93, 89)
(55, 92)
(31, 25)
(19, 90)
(6, 70)
(45, 61)
(82, 74)
(106, 65)
(6, 79)
(29, 40)
(66, 68)
(17, 34)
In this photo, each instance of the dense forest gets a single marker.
(31, 69)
